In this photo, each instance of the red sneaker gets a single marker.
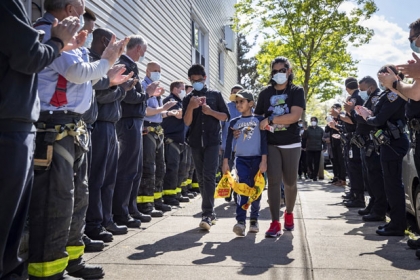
(288, 221)
(274, 230)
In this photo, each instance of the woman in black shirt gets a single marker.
(282, 104)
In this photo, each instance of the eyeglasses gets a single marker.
(412, 38)
(275, 71)
(241, 101)
(197, 81)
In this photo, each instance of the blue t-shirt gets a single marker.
(251, 142)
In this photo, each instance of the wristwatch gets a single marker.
(270, 120)
(395, 84)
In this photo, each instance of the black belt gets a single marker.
(59, 113)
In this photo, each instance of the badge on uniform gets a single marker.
(353, 100)
(392, 96)
(171, 99)
(374, 100)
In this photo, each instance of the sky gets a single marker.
(390, 43)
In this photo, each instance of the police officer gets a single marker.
(22, 55)
(153, 156)
(351, 151)
(376, 209)
(388, 117)
(129, 131)
(57, 209)
(174, 127)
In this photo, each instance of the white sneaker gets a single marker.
(239, 229)
(205, 223)
(254, 227)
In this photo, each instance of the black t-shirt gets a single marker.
(412, 109)
(172, 126)
(278, 103)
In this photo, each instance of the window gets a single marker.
(221, 67)
(199, 44)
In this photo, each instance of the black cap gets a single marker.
(336, 105)
(351, 83)
(246, 94)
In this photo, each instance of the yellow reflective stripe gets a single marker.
(75, 252)
(169, 192)
(157, 195)
(178, 190)
(189, 181)
(184, 184)
(145, 199)
(47, 269)
(194, 185)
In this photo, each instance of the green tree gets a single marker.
(313, 34)
(247, 65)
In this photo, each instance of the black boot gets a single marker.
(92, 245)
(358, 201)
(78, 268)
(159, 205)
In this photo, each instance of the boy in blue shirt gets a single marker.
(251, 156)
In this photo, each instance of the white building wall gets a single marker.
(166, 26)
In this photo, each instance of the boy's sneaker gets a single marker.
(205, 223)
(254, 226)
(274, 230)
(288, 221)
(213, 220)
(239, 229)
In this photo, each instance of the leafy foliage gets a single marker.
(247, 65)
(313, 34)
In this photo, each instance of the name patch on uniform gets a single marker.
(392, 96)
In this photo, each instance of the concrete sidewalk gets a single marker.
(329, 242)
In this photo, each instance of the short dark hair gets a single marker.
(98, 33)
(415, 26)
(196, 69)
(351, 83)
(89, 14)
(393, 69)
(369, 81)
(175, 84)
(336, 105)
(57, 5)
(314, 118)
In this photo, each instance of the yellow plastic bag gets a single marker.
(253, 193)
(224, 187)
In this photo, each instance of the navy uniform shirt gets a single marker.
(173, 127)
(357, 100)
(362, 127)
(205, 130)
(412, 109)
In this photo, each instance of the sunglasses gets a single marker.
(412, 38)
(274, 71)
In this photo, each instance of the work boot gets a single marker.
(414, 243)
(185, 193)
(67, 277)
(151, 211)
(355, 203)
(78, 268)
(172, 201)
(92, 245)
(127, 220)
(181, 198)
(159, 205)
(116, 229)
(144, 218)
(99, 233)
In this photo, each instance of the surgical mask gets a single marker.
(141, 59)
(89, 40)
(182, 94)
(313, 123)
(414, 47)
(280, 78)
(364, 95)
(155, 76)
(300, 125)
(381, 86)
(198, 86)
(81, 21)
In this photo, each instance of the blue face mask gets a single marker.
(414, 47)
(198, 86)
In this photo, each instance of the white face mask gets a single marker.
(89, 40)
(280, 78)
(155, 76)
(141, 59)
(364, 95)
(300, 125)
(182, 94)
(81, 21)
(313, 123)
(381, 86)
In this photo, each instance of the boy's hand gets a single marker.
(225, 167)
(263, 166)
(194, 102)
(206, 109)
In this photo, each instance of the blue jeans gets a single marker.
(247, 168)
